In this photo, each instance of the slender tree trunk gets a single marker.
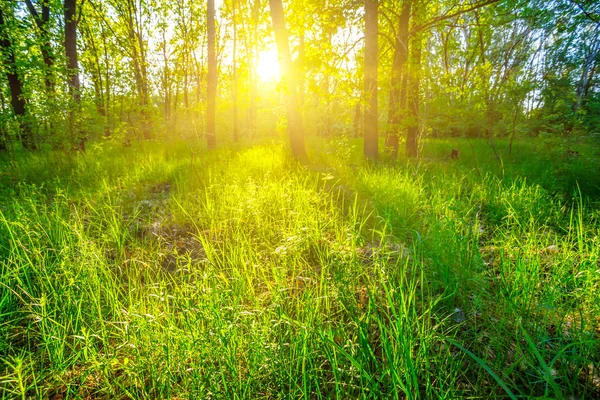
(108, 97)
(325, 94)
(295, 130)
(412, 134)
(398, 80)
(300, 70)
(17, 99)
(71, 48)
(235, 77)
(254, 78)
(212, 78)
(371, 149)
(70, 9)
(145, 100)
(95, 72)
(166, 78)
(186, 102)
(138, 58)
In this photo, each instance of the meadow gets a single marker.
(168, 271)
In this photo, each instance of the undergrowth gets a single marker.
(170, 272)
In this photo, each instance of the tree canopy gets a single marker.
(152, 69)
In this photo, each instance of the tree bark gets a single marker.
(295, 129)
(107, 126)
(17, 99)
(70, 10)
(397, 101)
(412, 134)
(211, 89)
(371, 138)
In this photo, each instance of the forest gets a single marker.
(244, 199)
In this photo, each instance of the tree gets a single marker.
(234, 90)
(371, 137)
(42, 22)
(295, 130)
(18, 101)
(414, 81)
(70, 10)
(130, 29)
(398, 80)
(212, 78)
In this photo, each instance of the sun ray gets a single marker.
(268, 65)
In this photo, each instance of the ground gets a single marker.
(169, 271)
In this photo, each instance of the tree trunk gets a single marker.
(212, 78)
(371, 150)
(253, 109)
(295, 130)
(166, 78)
(301, 65)
(17, 100)
(95, 72)
(235, 78)
(412, 134)
(129, 12)
(107, 126)
(398, 81)
(145, 100)
(70, 9)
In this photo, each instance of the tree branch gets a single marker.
(585, 12)
(441, 18)
(34, 13)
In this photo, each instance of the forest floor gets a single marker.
(167, 271)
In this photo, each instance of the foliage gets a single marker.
(152, 272)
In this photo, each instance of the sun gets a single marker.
(268, 65)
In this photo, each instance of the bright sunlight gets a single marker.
(408, 206)
(268, 65)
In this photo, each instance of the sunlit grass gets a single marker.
(170, 272)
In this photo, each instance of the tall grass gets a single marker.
(165, 272)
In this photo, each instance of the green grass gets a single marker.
(167, 271)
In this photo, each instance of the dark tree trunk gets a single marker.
(70, 9)
(398, 81)
(17, 100)
(71, 49)
(295, 130)
(371, 149)
(211, 89)
(412, 134)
